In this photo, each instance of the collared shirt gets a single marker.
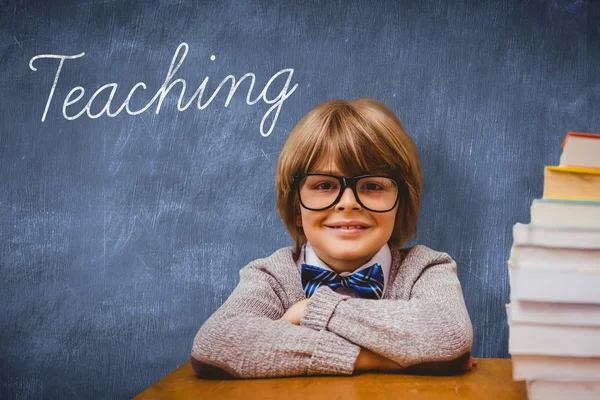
(383, 257)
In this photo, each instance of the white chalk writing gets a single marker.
(78, 92)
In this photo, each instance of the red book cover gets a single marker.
(580, 134)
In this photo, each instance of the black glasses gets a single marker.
(377, 193)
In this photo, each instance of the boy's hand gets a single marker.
(294, 313)
(469, 364)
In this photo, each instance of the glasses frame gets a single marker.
(344, 183)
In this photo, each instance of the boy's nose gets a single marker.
(348, 200)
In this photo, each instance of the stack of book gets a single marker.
(554, 273)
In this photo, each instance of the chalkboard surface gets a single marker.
(136, 183)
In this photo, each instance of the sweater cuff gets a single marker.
(333, 355)
(320, 307)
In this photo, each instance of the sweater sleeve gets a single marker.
(433, 325)
(245, 338)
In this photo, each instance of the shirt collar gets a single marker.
(383, 257)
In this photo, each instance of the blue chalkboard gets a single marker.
(138, 142)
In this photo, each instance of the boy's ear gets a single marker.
(299, 221)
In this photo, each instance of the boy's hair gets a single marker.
(361, 136)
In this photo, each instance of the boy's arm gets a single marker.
(432, 326)
(245, 338)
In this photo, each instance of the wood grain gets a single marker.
(491, 378)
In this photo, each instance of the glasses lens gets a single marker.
(318, 191)
(375, 193)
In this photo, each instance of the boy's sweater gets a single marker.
(421, 317)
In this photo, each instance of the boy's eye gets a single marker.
(373, 186)
(376, 184)
(325, 186)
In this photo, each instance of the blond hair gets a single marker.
(361, 136)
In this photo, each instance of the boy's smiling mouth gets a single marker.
(348, 227)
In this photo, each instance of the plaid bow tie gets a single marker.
(367, 283)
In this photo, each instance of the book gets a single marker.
(556, 236)
(555, 258)
(581, 150)
(550, 390)
(555, 340)
(552, 313)
(554, 286)
(555, 368)
(566, 213)
(554, 280)
(571, 183)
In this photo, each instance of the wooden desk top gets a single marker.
(490, 379)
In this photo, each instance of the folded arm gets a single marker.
(432, 326)
(245, 338)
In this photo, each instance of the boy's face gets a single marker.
(340, 250)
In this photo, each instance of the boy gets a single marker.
(347, 297)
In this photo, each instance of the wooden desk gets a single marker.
(490, 379)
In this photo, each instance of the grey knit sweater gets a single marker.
(422, 317)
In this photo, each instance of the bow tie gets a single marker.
(367, 283)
